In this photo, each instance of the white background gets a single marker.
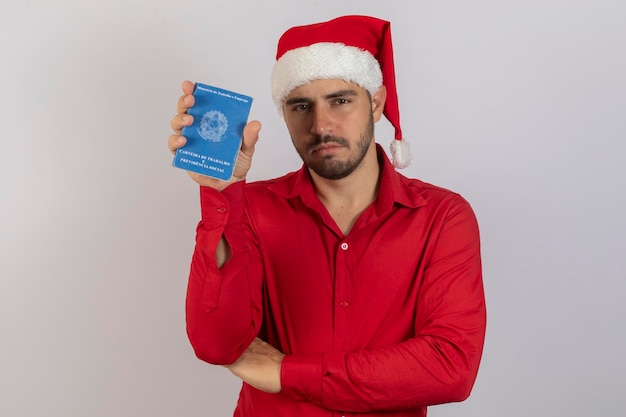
(518, 105)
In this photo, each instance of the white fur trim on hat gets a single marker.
(320, 61)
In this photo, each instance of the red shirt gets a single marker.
(384, 321)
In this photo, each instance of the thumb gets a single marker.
(250, 137)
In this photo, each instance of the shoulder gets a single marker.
(432, 195)
(283, 185)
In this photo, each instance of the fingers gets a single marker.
(188, 87)
(182, 119)
(179, 121)
(187, 100)
(184, 103)
(175, 142)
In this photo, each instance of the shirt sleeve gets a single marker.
(438, 365)
(223, 305)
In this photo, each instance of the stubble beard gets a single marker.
(330, 167)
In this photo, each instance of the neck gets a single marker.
(346, 198)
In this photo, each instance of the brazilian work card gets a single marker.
(214, 138)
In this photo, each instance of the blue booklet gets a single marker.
(214, 138)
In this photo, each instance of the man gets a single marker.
(344, 287)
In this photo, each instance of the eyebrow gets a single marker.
(336, 94)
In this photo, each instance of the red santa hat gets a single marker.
(352, 48)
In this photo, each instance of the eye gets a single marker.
(342, 101)
(300, 107)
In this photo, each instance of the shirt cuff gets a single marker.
(216, 207)
(301, 377)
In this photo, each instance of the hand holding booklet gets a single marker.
(214, 138)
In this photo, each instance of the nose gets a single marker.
(322, 121)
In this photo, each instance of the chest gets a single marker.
(322, 286)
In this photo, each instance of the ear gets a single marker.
(378, 102)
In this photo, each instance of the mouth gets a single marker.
(326, 150)
(326, 147)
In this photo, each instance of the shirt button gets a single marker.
(344, 246)
(221, 210)
(344, 304)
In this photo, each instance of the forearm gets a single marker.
(224, 291)
(422, 371)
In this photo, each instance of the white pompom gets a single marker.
(400, 154)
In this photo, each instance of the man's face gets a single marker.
(331, 123)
